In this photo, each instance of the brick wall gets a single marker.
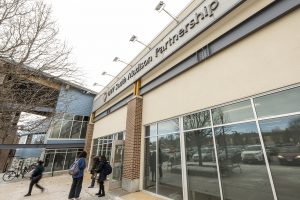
(132, 150)
(89, 138)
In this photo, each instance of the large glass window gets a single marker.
(170, 126)
(236, 144)
(169, 166)
(75, 133)
(233, 113)
(70, 158)
(196, 120)
(282, 140)
(202, 174)
(55, 129)
(69, 126)
(66, 129)
(150, 164)
(59, 160)
(287, 101)
(48, 161)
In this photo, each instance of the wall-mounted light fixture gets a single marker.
(117, 59)
(105, 73)
(161, 6)
(134, 38)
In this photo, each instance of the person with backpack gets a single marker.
(104, 169)
(76, 170)
(36, 177)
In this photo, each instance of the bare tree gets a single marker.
(32, 61)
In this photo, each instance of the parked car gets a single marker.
(252, 153)
(233, 153)
(289, 155)
(207, 154)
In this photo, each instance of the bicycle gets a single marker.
(11, 174)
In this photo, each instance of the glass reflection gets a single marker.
(238, 143)
(59, 161)
(282, 140)
(48, 162)
(201, 170)
(56, 129)
(151, 130)
(70, 158)
(169, 166)
(65, 129)
(278, 103)
(150, 164)
(169, 126)
(75, 133)
(233, 113)
(196, 120)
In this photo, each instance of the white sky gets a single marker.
(99, 30)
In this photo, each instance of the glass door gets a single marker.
(115, 179)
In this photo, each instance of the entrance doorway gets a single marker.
(115, 179)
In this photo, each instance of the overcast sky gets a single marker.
(99, 30)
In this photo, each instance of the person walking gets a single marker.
(102, 169)
(96, 161)
(36, 177)
(78, 177)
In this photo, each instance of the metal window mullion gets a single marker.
(216, 156)
(81, 129)
(264, 152)
(62, 121)
(183, 159)
(65, 159)
(71, 129)
(156, 160)
(279, 116)
(234, 123)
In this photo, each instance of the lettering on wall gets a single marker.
(208, 12)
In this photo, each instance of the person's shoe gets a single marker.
(90, 186)
(101, 195)
(26, 195)
(43, 189)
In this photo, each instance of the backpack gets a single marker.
(74, 169)
(107, 169)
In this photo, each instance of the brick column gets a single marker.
(132, 149)
(88, 139)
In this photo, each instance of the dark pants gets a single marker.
(93, 180)
(34, 181)
(76, 188)
(101, 188)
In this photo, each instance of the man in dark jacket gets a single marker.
(96, 161)
(78, 178)
(36, 177)
(102, 175)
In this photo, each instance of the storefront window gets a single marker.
(233, 113)
(196, 120)
(70, 158)
(170, 126)
(287, 101)
(169, 166)
(59, 161)
(150, 164)
(151, 130)
(241, 163)
(202, 174)
(48, 162)
(282, 140)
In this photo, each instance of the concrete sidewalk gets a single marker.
(58, 188)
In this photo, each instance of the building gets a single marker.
(212, 111)
(66, 107)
